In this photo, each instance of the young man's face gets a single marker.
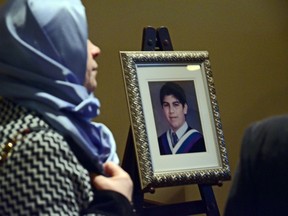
(174, 111)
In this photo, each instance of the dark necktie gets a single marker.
(174, 138)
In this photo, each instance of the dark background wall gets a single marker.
(247, 42)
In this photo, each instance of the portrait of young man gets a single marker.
(179, 137)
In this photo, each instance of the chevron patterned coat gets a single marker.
(41, 175)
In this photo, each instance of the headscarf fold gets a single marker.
(43, 57)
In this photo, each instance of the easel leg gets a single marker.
(208, 198)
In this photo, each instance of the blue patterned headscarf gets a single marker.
(43, 57)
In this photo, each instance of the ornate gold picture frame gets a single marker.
(145, 75)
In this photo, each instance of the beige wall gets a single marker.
(247, 42)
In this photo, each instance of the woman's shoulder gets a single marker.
(28, 132)
(16, 120)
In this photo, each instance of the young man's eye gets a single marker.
(165, 105)
(176, 104)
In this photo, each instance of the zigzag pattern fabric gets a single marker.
(42, 176)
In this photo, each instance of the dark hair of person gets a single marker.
(171, 88)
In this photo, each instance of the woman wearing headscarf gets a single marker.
(49, 147)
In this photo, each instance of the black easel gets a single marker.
(153, 40)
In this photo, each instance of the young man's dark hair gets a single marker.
(172, 88)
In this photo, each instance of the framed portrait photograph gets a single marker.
(175, 119)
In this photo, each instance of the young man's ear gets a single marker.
(185, 108)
